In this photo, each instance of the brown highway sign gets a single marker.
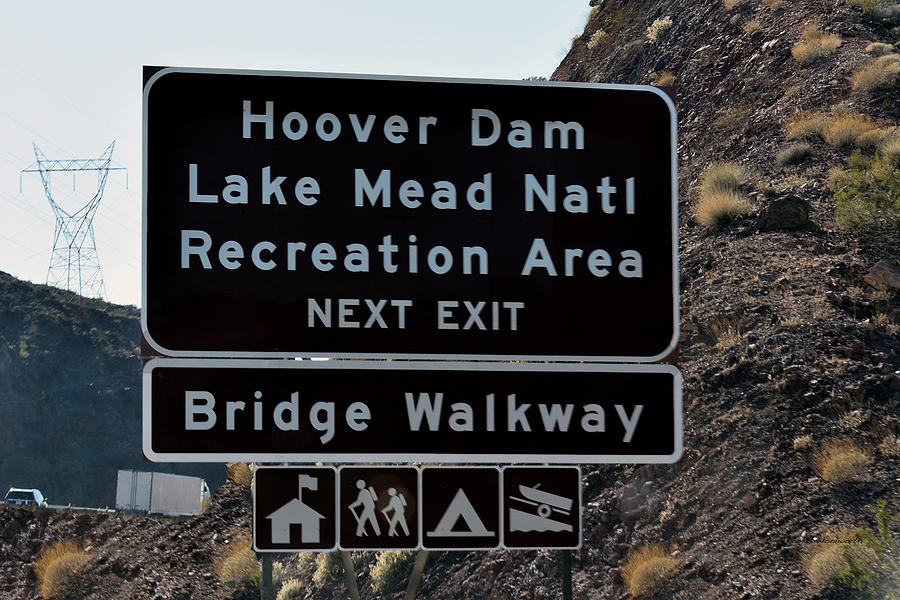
(215, 410)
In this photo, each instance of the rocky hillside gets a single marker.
(70, 395)
(790, 344)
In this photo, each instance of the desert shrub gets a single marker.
(292, 588)
(666, 78)
(840, 461)
(869, 7)
(596, 39)
(861, 558)
(775, 4)
(720, 197)
(721, 177)
(751, 26)
(658, 29)
(845, 128)
(732, 4)
(889, 145)
(814, 45)
(888, 12)
(240, 473)
(236, 563)
(648, 570)
(802, 442)
(890, 445)
(877, 73)
(306, 560)
(718, 208)
(389, 566)
(879, 48)
(793, 154)
(867, 195)
(733, 118)
(278, 573)
(328, 566)
(873, 567)
(874, 137)
(806, 125)
(830, 558)
(726, 331)
(58, 568)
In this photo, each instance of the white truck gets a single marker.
(25, 497)
(161, 493)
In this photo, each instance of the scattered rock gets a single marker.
(787, 213)
(748, 501)
(884, 275)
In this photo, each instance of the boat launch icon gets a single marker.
(541, 507)
(538, 506)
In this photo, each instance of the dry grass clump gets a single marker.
(828, 560)
(881, 72)
(874, 137)
(658, 29)
(733, 118)
(775, 4)
(720, 197)
(793, 154)
(890, 144)
(879, 48)
(845, 128)
(880, 9)
(58, 568)
(236, 563)
(802, 443)
(726, 331)
(648, 570)
(732, 4)
(841, 461)
(887, 322)
(806, 125)
(389, 566)
(328, 566)
(815, 45)
(240, 473)
(752, 26)
(664, 79)
(597, 38)
(292, 588)
(890, 445)
(721, 177)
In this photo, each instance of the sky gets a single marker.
(70, 82)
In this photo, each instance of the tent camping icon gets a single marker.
(296, 512)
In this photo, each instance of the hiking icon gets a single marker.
(397, 503)
(379, 507)
(365, 499)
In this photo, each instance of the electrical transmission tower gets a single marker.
(74, 264)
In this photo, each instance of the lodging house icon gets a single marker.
(296, 512)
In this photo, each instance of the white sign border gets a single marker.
(337, 515)
(580, 507)
(673, 342)
(362, 457)
(420, 542)
(500, 523)
(418, 471)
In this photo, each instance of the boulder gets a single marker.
(789, 212)
(884, 275)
